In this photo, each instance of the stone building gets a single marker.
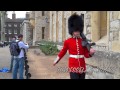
(12, 27)
(26, 30)
(32, 23)
(3, 16)
(95, 25)
(40, 25)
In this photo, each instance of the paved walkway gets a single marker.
(41, 66)
(5, 62)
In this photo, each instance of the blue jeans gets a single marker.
(18, 65)
(11, 65)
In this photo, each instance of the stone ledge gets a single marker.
(96, 73)
(108, 61)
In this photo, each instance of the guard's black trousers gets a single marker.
(77, 76)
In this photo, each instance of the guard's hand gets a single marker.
(56, 61)
(54, 64)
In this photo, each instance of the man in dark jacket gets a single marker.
(12, 57)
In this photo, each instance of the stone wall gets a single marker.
(114, 40)
(32, 18)
(87, 28)
(50, 26)
(2, 22)
(97, 73)
(103, 23)
(104, 65)
(38, 21)
(54, 26)
(27, 32)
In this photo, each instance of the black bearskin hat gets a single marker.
(75, 23)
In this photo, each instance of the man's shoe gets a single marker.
(10, 71)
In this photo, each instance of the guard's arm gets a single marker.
(62, 53)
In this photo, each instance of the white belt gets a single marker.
(77, 56)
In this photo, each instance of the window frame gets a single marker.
(10, 31)
(15, 31)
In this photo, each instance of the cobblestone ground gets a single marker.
(41, 66)
(5, 62)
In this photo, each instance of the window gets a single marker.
(5, 31)
(15, 31)
(9, 25)
(43, 13)
(43, 29)
(5, 25)
(9, 39)
(6, 38)
(15, 25)
(10, 32)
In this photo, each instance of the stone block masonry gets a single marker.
(107, 64)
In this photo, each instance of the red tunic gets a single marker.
(71, 45)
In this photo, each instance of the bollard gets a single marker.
(28, 76)
(27, 73)
(26, 67)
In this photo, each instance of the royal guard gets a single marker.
(77, 52)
